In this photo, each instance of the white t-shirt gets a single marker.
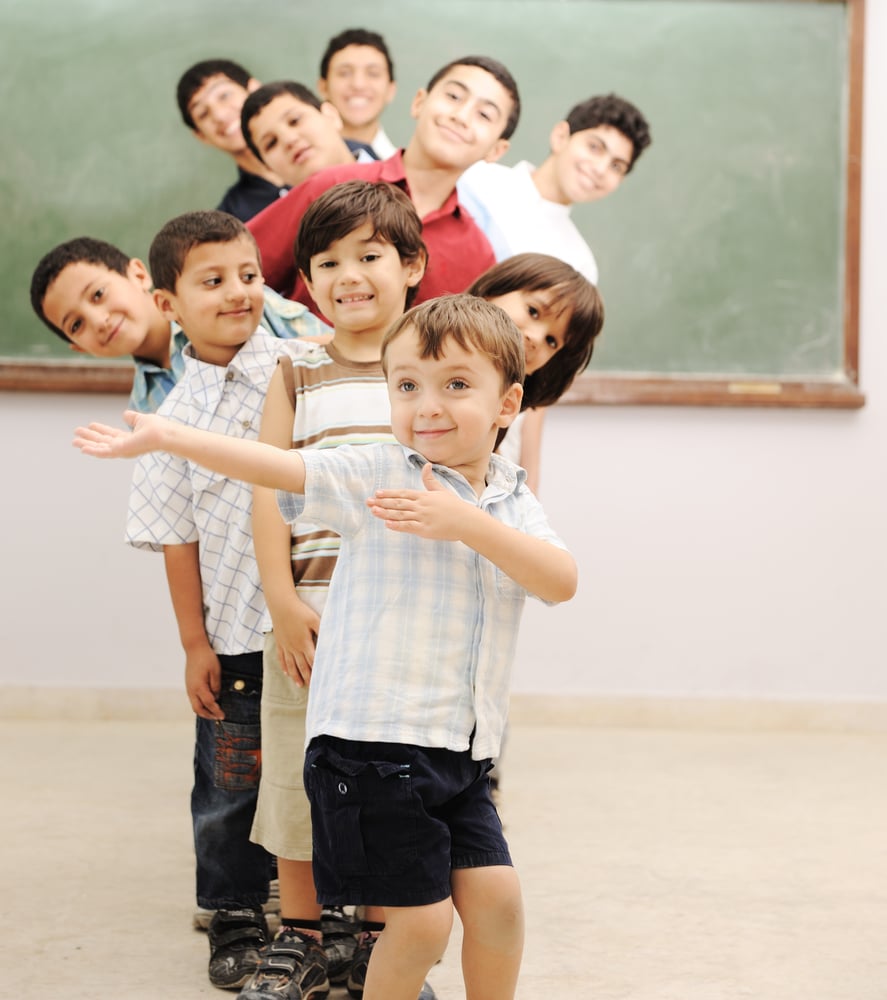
(383, 146)
(515, 218)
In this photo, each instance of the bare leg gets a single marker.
(490, 906)
(298, 898)
(415, 937)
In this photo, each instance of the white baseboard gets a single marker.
(167, 704)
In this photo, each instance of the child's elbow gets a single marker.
(564, 584)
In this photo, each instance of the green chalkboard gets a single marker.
(727, 258)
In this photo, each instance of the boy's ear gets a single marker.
(417, 102)
(76, 348)
(329, 111)
(166, 305)
(499, 149)
(416, 270)
(510, 407)
(252, 84)
(559, 136)
(137, 271)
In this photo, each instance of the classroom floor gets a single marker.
(656, 864)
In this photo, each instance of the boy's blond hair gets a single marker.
(474, 325)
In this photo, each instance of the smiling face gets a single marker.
(103, 313)
(215, 110)
(358, 85)
(542, 326)
(460, 120)
(218, 298)
(296, 140)
(450, 408)
(589, 164)
(360, 284)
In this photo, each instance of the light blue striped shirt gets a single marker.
(418, 636)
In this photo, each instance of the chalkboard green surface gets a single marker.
(724, 256)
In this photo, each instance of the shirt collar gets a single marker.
(394, 173)
(249, 364)
(504, 478)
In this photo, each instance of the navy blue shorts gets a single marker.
(391, 821)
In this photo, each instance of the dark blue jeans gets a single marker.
(232, 872)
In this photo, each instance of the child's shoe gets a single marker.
(292, 967)
(339, 941)
(236, 939)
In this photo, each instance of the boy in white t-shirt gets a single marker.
(526, 209)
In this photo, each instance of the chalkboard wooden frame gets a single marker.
(614, 388)
(843, 393)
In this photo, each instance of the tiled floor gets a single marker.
(656, 864)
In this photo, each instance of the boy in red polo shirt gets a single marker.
(467, 113)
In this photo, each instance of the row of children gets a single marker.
(285, 132)
(360, 256)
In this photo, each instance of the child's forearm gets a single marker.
(543, 569)
(249, 461)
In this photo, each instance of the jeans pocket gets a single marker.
(365, 810)
(238, 756)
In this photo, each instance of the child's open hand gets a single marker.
(434, 512)
(103, 441)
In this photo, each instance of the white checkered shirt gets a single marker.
(173, 501)
(418, 636)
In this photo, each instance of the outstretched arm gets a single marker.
(249, 461)
(540, 567)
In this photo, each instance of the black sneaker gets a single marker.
(357, 976)
(292, 967)
(236, 938)
(339, 941)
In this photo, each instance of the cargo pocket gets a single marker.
(364, 810)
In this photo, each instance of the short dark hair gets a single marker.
(609, 109)
(473, 323)
(345, 207)
(263, 96)
(355, 36)
(81, 250)
(499, 73)
(196, 76)
(536, 272)
(171, 246)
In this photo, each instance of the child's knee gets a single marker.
(428, 927)
(490, 903)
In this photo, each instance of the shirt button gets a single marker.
(229, 376)
(343, 788)
(246, 424)
(239, 685)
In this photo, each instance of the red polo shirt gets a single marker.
(457, 250)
